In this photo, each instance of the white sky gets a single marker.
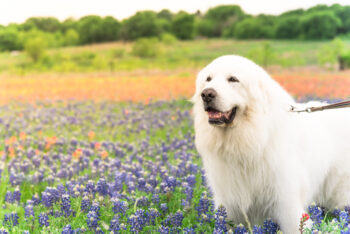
(19, 10)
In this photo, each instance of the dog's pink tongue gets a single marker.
(214, 114)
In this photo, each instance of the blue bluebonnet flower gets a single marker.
(99, 231)
(90, 187)
(3, 231)
(137, 221)
(142, 201)
(43, 219)
(316, 214)
(9, 197)
(336, 212)
(102, 187)
(343, 217)
(155, 198)
(66, 205)
(177, 220)
(28, 211)
(220, 219)
(240, 229)
(36, 199)
(67, 229)
(115, 224)
(17, 195)
(47, 199)
(191, 180)
(11, 219)
(92, 220)
(119, 206)
(270, 227)
(164, 230)
(188, 191)
(164, 207)
(189, 231)
(174, 220)
(85, 204)
(151, 215)
(203, 205)
(96, 208)
(257, 230)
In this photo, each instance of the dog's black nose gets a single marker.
(208, 95)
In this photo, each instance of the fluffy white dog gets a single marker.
(261, 160)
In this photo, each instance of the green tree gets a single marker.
(218, 18)
(47, 24)
(111, 28)
(35, 48)
(165, 14)
(10, 40)
(93, 29)
(67, 24)
(253, 28)
(288, 27)
(319, 25)
(183, 26)
(142, 24)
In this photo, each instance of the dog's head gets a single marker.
(230, 88)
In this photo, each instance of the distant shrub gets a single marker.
(344, 60)
(118, 53)
(71, 37)
(168, 38)
(146, 47)
(35, 48)
(84, 59)
(263, 55)
(329, 54)
(100, 62)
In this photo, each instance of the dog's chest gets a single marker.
(240, 186)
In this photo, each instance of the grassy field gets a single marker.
(179, 54)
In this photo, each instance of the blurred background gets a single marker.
(105, 50)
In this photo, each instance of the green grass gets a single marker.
(180, 54)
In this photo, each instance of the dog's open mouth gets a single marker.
(217, 117)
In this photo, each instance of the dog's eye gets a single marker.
(208, 79)
(232, 79)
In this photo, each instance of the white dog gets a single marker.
(262, 160)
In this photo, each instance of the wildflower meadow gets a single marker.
(95, 139)
(113, 167)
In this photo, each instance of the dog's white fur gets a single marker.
(270, 163)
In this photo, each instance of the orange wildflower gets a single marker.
(22, 135)
(50, 141)
(77, 153)
(104, 154)
(12, 153)
(97, 145)
(91, 135)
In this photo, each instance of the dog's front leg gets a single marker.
(288, 214)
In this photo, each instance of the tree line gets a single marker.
(228, 21)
